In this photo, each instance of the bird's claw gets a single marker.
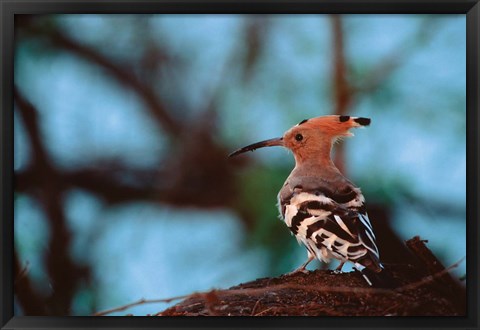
(298, 270)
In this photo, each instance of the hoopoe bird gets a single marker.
(323, 209)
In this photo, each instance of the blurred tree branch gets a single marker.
(60, 40)
(29, 117)
(341, 88)
(64, 274)
(256, 29)
(195, 156)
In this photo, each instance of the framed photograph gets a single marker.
(129, 188)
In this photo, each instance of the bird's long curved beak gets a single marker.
(261, 144)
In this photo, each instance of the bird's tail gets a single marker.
(381, 279)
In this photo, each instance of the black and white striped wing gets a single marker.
(333, 225)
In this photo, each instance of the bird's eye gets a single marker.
(299, 137)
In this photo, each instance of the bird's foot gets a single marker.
(338, 270)
(303, 268)
(298, 270)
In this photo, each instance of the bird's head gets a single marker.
(311, 137)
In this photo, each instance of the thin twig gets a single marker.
(264, 311)
(141, 302)
(254, 309)
(430, 278)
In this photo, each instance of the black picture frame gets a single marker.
(10, 8)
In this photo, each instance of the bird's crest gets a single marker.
(334, 126)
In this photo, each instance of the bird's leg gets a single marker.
(339, 268)
(302, 268)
